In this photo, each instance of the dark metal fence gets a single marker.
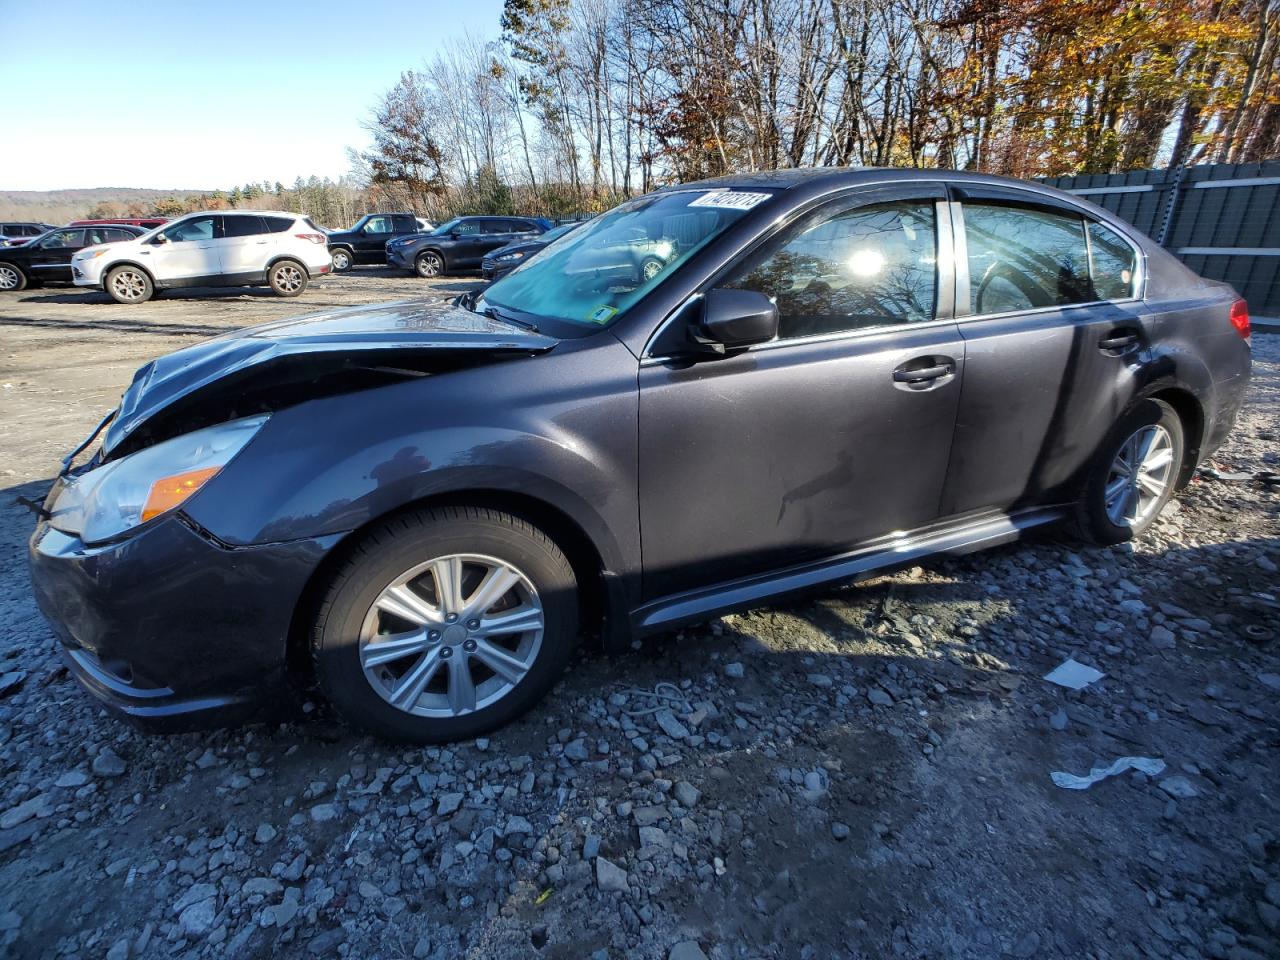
(1222, 220)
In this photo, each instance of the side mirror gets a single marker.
(455, 233)
(159, 239)
(734, 319)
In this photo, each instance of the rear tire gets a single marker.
(1133, 476)
(435, 684)
(288, 278)
(342, 260)
(428, 265)
(129, 285)
(12, 278)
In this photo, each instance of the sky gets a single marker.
(187, 94)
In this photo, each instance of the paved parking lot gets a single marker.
(862, 774)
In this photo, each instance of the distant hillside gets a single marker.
(59, 206)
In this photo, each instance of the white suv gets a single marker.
(232, 249)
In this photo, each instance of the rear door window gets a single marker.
(1024, 258)
(242, 225)
(869, 266)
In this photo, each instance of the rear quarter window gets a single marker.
(281, 224)
(1113, 265)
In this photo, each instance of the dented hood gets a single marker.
(359, 335)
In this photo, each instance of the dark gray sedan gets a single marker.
(420, 507)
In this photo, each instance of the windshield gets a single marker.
(445, 227)
(594, 274)
(557, 232)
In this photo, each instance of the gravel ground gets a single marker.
(864, 773)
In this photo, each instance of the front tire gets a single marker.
(342, 260)
(12, 278)
(428, 265)
(1134, 475)
(288, 278)
(129, 285)
(444, 624)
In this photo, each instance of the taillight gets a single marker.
(1240, 317)
(313, 237)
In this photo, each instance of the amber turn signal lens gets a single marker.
(167, 492)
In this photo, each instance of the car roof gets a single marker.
(838, 177)
(257, 213)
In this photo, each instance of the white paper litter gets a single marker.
(1069, 781)
(1072, 675)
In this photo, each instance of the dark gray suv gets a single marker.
(420, 506)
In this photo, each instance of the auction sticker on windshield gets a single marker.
(731, 199)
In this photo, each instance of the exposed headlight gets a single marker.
(89, 253)
(508, 257)
(124, 493)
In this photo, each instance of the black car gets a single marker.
(498, 263)
(48, 257)
(366, 242)
(14, 234)
(418, 506)
(461, 243)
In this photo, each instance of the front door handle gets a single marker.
(923, 372)
(1119, 340)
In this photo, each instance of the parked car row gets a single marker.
(130, 263)
(132, 258)
(48, 256)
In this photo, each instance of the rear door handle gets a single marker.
(1118, 340)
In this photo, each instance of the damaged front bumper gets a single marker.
(169, 628)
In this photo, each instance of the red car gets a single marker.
(147, 223)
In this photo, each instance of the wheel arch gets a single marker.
(432, 249)
(600, 600)
(1191, 413)
(285, 256)
(17, 266)
(128, 263)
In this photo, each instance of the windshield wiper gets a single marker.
(493, 314)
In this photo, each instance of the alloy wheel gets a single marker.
(428, 265)
(651, 269)
(451, 636)
(129, 285)
(8, 278)
(1139, 477)
(288, 278)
